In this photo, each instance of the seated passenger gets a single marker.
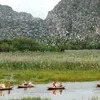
(30, 83)
(54, 84)
(9, 84)
(3, 85)
(24, 83)
(60, 85)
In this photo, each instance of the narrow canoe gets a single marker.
(55, 88)
(25, 86)
(6, 88)
(98, 85)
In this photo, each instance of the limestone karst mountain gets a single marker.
(69, 18)
(14, 24)
(80, 18)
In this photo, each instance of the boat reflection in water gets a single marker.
(2, 92)
(8, 91)
(55, 91)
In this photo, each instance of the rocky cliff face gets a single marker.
(14, 24)
(70, 18)
(80, 18)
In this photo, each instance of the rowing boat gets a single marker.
(55, 88)
(25, 86)
(98, 85)
(6, 88)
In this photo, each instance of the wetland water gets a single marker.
(73, 91)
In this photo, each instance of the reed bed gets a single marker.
(68, 60)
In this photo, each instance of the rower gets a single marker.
(9, 84)
(30, 83)
(54, 84)
(2, 85)
(60, 85)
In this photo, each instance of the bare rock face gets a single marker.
(69, 18)
(80, 18)
(14, 24)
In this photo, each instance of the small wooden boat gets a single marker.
(98, 85)
(25, 86)
(6, 88)
(55, 88)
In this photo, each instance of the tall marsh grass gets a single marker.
(68, 60)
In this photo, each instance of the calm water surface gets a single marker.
(73, 91)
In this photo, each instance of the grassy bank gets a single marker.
(72, 65)
(48, 76)
(31, 99)
(93, 98)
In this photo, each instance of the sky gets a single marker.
(38, 8)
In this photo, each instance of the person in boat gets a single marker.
(2, 85)
(60, 85)
(30, 83)
(9, 85)
(54, 84)
(24, 83)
